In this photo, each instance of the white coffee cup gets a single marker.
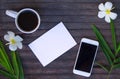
(27, 20)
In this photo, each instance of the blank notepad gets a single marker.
(52, 44)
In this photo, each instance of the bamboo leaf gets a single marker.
(15, 64)
(21, 75)
(6, 74)
(113, 35)
(116, 66)
(103, 67)
(105, 47)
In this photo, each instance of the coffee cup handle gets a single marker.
(11, 13)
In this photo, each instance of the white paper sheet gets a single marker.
(52, 44)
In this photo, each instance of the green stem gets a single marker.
(111, 68)
(110, 72)
(113, 35)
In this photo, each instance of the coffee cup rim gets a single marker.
(23, 31)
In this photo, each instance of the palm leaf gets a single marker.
(116, 66)
(106, 54)
(3, 61)
(117, 60)
(105, 47)
(103, 67)
(1, 51)
(113, 35)
(5, 58)
(15, 64)
(6, 74)
(21, 75)
(118, 49)
(3, 64)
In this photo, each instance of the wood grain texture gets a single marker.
(78, 16)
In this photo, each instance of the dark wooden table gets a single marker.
(78, 16)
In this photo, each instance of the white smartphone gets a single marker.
(85, 58)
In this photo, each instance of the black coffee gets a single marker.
(27, 20)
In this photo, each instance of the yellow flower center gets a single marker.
(108, 11)
(12, 41)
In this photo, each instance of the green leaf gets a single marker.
(103, 67)
(6, 74)
(1, 58)
(118, 49)
(5, 58)
(106, 55)
(113, 35)
(3, 64)
(1, 51)
(4, 55)
(116, 66)
(21, 75)
(15, 63)
(105, 47)
(117, 60)
(15, 68)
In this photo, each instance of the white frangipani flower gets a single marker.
(105, 11)
(14, 41)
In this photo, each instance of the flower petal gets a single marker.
(12, 47)
(101, 14)
(107, 19)
(101, 7)
(113, 15)
(108, 5)
(7, 37)
(11, 34)
(18, 38)
(19, 45)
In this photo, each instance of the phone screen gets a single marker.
(85, 57)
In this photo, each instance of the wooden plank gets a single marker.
(57, 5)
(66, 18)
(48, 1)
(51, 5)
(61, 12)
(69, 25)
(69, 77)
